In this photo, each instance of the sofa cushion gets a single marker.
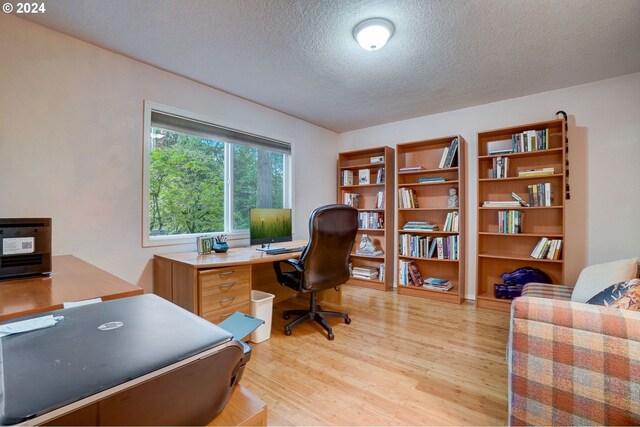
(595, 278)
(625, 295)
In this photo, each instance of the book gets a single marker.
(536, 172)
(442, 288)
(435, 281)
(451, 154)
(414, 274)
(520, 200)
(500, 204)
(363, 176)
(376, 252)
(443, 158)
(380, 176)
(380, 200)
(376, 159)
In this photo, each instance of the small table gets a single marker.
(72, 279)
(242, 409)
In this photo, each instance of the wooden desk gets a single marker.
(214, 286)
(71, 280)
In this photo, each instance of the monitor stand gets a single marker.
(268, 247)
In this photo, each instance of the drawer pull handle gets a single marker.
(227, 300)
(226, 286)
(226, 315)
(226, 273)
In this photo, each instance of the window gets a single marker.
(203, 178)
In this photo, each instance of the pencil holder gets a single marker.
(220, 247)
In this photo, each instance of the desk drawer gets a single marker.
(223, 291)
(218, 315)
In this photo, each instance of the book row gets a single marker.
(510, 222)
(407, 198)
(371, 220)
(353, 200)
(547, 249)
(429, 247)
(364, 177)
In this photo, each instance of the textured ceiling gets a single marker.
(299, 57)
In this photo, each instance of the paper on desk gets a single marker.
(29, 325)
(79, 303)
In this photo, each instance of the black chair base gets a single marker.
(315, 313)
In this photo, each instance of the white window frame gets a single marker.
(235, 237)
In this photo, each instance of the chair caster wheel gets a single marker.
(287, 330)
(331, 336)
(347, 320)
(285, 316)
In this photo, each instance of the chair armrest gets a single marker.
(295, 263)
(578, 363)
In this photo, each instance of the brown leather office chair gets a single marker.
(323, 264)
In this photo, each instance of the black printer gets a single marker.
(132, 361)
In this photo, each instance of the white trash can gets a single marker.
(262, 308)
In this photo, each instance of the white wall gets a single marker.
(71, 120)
(602, 216)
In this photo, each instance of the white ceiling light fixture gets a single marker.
(372, 34)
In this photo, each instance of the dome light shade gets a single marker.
(372, 34)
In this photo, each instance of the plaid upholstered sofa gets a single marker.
(572, 363)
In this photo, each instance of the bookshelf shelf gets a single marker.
(523, 178)
(420, 184)
(362, 185)
(499, 253)
(522, 257)
(361, 166)
(428, 259)
(432, 198)
(525, 154)
(519, 208)
(454, 169)
(355, 162)
(550, 235)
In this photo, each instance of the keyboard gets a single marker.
(284, 250)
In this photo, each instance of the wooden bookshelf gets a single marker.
(432, 198)
(498, 252)
(355, 161)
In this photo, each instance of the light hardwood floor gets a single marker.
(402, 361)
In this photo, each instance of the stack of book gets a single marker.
(420, 226)
(346, 177)
(510, 222)
(530, 140)
(432, 179)
(449, 155)
(408, 274)
(445, 247)
(436, 284)
(501, 203)
(547, 249)
(351, 199)
(371, 220)
(451, 222)
(365, 272)
(407, 198)
(411, 169)
(540, 194)
(536, 172)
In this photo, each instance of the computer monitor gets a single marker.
(268, 226)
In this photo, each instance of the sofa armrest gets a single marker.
(573, 364)
(545, 290)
